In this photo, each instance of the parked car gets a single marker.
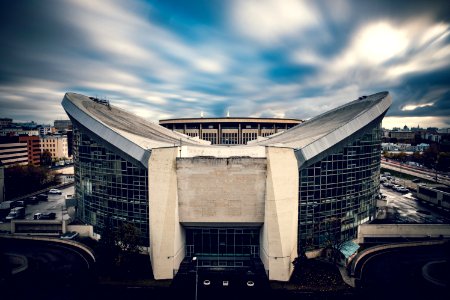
(387, 184)
(55, 192)
(16, 213)
(42, 197)
(18, 203)
(32, 200)
(44, 216)
(402, 190)
(69, 235)
(396, 186)
(416, 180)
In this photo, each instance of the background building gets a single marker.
(229, 131)
(230, 206)
(57, 145)
(13, 152)
(2, 183)
(46, 129)
(33, 147)
(5, 122)
(62, 125)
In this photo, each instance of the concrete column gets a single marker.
(278, 237)
(239, 141)
(167, 238)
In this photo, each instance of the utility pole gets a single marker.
(196, 276)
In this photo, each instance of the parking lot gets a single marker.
(55, 203)
(405, 208)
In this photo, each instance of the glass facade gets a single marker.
(223, 247)
(338, 193)
(109, 189)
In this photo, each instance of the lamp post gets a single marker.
(196, 275)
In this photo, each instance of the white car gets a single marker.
(55, 192)
(69, 235)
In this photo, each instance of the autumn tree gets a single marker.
(46, 158)
(22, 180)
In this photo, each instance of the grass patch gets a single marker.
(314, 276)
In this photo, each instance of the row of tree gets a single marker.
(118, 249)
(22, 180)
(430, 158)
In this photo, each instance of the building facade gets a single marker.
(62, 125)
(13, 152)
(228, 204)
(34, 149)
(229, 131)
(57, 145)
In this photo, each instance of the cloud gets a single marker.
(254, 58)
(423, 122)
(413, 107)
(270, 21)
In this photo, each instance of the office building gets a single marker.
(13, 152)
(57, 145)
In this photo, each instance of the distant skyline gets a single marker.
(265, 58)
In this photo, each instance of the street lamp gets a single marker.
(196, 275)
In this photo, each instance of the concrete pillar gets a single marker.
(167, 238)
(278, 237)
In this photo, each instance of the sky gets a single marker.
(251, 58)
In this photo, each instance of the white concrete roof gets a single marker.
(326, 130)
(135, 135)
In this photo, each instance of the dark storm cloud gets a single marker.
(269, 58)
(35, 34)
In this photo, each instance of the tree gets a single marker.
(333, 237)
(118, 249)
(35, 178)
(129, 238)
(107, 250)
(46, 158)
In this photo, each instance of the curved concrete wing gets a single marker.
(136, 137)
(320, 133)
(127, 132)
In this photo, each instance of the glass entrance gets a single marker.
(223, 247)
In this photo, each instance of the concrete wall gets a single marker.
(167, 241)
(2, 184)
(221, 190)
(83, 230)
(223, 151)
(402, 230)
(279, 232)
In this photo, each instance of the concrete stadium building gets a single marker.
(229, 131)
(228, 205)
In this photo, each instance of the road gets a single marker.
(407, 209)
(55, 271)
(55, 203)
(397, 274)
